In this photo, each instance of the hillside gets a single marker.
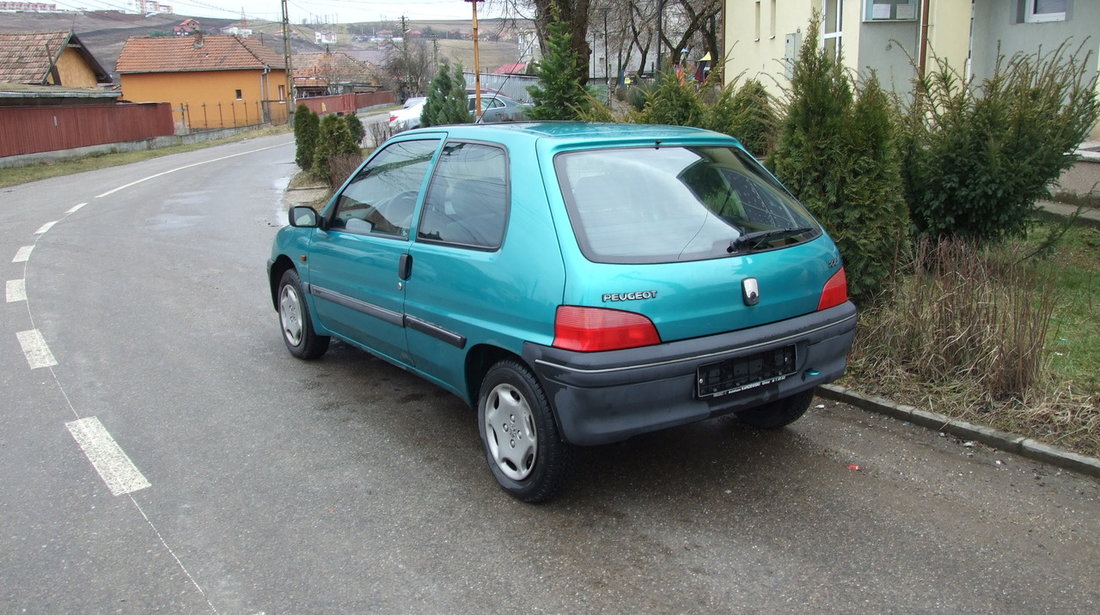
(105, 32)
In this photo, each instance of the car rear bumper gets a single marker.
(604, 397)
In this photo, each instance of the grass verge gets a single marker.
(46, 170)
(1049, 305)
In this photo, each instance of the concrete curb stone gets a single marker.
(1001, 440)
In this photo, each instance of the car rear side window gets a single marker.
(381, 197)
(467, 201)
(667, 204)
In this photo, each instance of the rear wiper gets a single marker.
(750, 241)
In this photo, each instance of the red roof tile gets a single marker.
(172, 54)
(513, 68)
(26, 57)
(331, 67)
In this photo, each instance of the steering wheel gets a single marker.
(398, 209)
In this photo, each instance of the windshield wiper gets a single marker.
(749, 241)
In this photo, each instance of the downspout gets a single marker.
(264, 94)
(922, 44)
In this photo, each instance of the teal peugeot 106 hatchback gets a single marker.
(578, 284)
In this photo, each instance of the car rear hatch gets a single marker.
(699, 240)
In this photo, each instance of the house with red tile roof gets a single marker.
(212, 80)
(332, 72)
(54, 95)
(49, 58)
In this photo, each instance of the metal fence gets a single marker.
(345, 103)
(234, 114)
(30, 130)
(512, 86)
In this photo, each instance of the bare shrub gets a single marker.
(379, 132)
(967, 316)
(340, 167)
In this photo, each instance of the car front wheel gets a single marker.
(519, 436)
(297, 327)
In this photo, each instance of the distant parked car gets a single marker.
(407, 117)
(499, 108)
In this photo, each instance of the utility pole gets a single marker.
(606, 58)
(477, 63)
(405, 56)
(286, 59)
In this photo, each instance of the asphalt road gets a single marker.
(249, 482)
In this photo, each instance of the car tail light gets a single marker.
(393, 116)
(835, 291)
(586, 329)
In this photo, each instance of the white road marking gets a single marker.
(108, 458)
(34, 346)
(75, 208)
(45, 227)
(23, 254)
(186, 166)
(16, 291)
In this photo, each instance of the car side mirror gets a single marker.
(304, 217)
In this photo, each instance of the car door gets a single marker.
(359, 262)
(492, 109)
(459, 287)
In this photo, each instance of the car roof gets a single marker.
(578, 133)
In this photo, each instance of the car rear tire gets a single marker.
(519, 436)
(295, 322)
(779, 413)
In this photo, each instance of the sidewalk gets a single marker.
(1081, 179)
(1089, 215)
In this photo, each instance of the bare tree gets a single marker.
(685, 26)
(696, 25)
(409, 67)
(543, 12)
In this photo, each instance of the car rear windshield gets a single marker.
(666, 204)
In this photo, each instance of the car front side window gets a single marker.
(381, 197)
(467, 201)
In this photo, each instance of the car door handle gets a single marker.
(404, 266)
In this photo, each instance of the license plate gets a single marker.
(744, 373)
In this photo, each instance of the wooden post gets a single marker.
(477, 64)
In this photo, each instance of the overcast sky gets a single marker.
(330, 11)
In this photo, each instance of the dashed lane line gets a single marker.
(35, 348)
(23, 254)
(109, 460)
(45, 227)
(16, 290)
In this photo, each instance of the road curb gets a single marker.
(1002, 440)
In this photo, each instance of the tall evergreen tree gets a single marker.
(355, 127)
(306, 133)
(839, 156)
(335, 141)
(560, 93)
(447, 99)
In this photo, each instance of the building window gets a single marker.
(282, 92)
(771, 21)
(757, 4)
(889, 10)
(1038, 11)
(831, 26)
(238, 94)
